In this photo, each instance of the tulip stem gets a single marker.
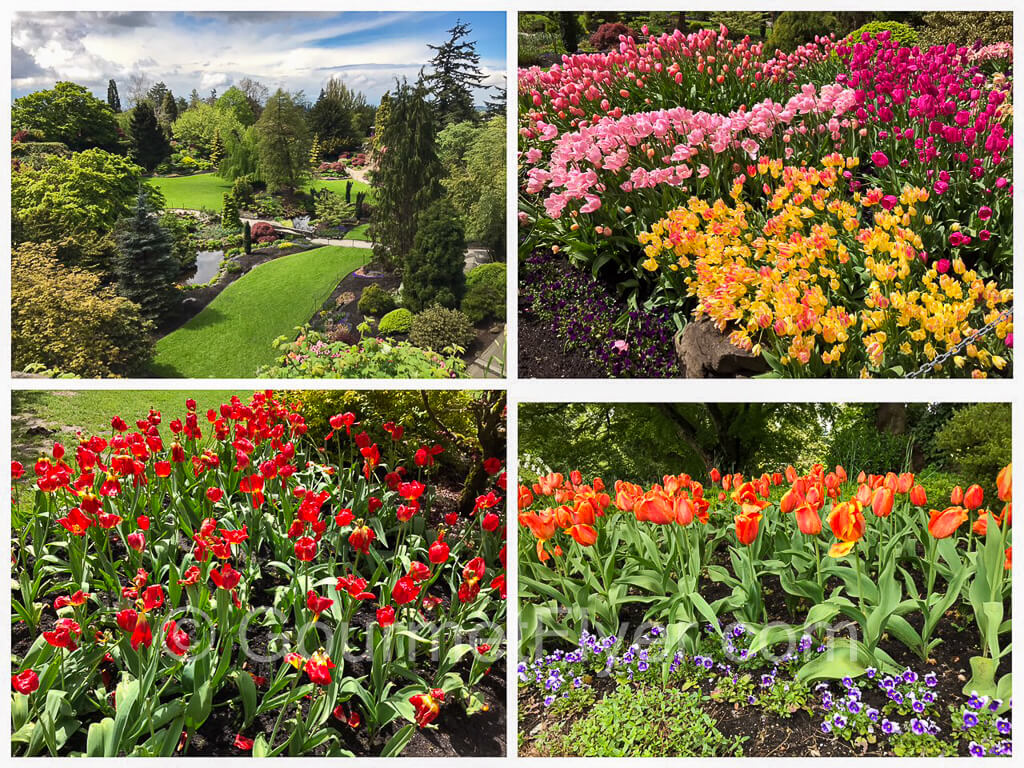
(280, 715)
(860, 589)
(817, 557)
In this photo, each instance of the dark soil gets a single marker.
(542, 355)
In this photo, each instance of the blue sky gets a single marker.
(214, 50)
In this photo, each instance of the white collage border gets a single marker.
(519, 391)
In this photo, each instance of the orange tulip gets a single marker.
(1008, 563)
(862, 477)
(584, 514)
(905, 482)
(847, 521)
(943, 524)
(881, 502)
(525, 497)
(626, 495)
(598, 484)
(814, 497)
(654, 507)
(1004, 482)
(715, 475)
(957, 496)
(973, 497)
(791, 499)
(980, 526)
(575, 477)
(791, 474)
(808, 520)
(863, 495)
(841, 474)
(585, 535)
(746, 525)
(684, 511)
(918, 497)
(891, 481)
(541, 524)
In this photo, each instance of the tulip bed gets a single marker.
(844, 611)
(221, 583)
(842, 210)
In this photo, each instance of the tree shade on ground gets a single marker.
(205, 191)
(232, 336)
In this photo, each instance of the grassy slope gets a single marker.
(206, 190)
(362, 232)
(232, 336)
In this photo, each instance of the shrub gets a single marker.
(375, 301)
(232, 267)
(434, 268)
(438, 327)
(485, 293)
(229, 212)
(607, 35)
(900, 32)
(966, 28)
(263, 231)
(976, 440)
(65, 319)
(794, 28)
(396, 321)
(243, 190)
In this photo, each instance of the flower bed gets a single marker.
(613, 146)
(843, 600)
(223, 574)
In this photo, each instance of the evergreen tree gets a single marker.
(434, 269)
(156, 94)
(193, 98)
(247, 238)
(145, 267)
(496, 107)
(217, 149)
(113, 99)
(229, 213)
(149, 145)
(339, 117)
(569, 30)
(283, 142)
(315, 152)
(456, 72)
(168, 111)
(407, 170)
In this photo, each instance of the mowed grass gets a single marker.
(199, 192)
(362, 232)
(232, 336)
(206, 190)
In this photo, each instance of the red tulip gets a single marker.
(25, 682)
(1004, 483)
(305, 549)
(746, 526)
(177, 639)
(405, 590)
(808, 520)
(881, 502)
(243, 743)
(226, 578)
(386, 616)
(974, 497)
(438, 552)
(427, 706)
(918, 496)
(317, 604)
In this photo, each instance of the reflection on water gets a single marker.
(207, 264)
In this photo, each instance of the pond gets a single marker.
(207, 264)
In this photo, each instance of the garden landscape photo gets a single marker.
(765, 193)
(315, 573)
(768, 580)
(236, 194)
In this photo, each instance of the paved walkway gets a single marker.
(490, 364)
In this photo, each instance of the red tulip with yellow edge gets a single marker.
(974, 497)
(1004, 483)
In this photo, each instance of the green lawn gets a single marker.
(362, 232)
(202, 191)
(232, 336)
(337, 186)
(206, 190)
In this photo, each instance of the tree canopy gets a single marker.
(283, 141)
(69, 114)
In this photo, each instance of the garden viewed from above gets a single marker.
(252, 227)
(765, 193)
(772, 580)
(275, 573)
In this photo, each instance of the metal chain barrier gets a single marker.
(940, 359)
